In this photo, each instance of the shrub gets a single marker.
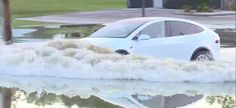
(203, 2)
(187, 8)
(204, 8)
(233, 7)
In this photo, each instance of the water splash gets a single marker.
(76, 59)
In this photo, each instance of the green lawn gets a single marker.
(28, 8)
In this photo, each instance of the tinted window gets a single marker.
(177, 28)
(155, 30)
(119, 29)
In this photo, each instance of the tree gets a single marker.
(7, 97)
(7, 32)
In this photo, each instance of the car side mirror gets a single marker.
(144, 37)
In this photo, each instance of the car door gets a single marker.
(163, 43)
(182, 39)
(155, 45)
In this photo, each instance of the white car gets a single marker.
(160, 37)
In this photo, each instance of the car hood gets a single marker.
(110, 43)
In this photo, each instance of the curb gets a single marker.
(207, 14)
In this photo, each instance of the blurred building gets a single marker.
(229, 4)
(173, 4)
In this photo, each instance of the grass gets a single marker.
(29, 8)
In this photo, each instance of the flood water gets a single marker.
(73, 93)
(69, 74)
(42, 33)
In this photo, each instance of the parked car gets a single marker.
(160, 37)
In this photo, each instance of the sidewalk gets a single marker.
(215, 13)
(107, 16)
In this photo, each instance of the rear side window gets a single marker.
(155, 30)
(177, 28)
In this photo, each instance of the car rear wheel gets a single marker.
(122, 52)
(203, 56)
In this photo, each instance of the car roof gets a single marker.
(148, 19)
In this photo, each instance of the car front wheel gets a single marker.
(203, 56)
(122, 52)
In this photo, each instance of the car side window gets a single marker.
(155, 30)
(167, 29)
(178, 28)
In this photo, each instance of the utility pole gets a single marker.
(222, 4)
(143, 8)
(6, 97)
(7, 32)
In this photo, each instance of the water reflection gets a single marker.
(225, 101)
(51, 32)
(17, 98)
(30, 91)
(173, 101)
(227, 37)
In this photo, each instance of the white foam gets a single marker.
(114, 88)
(75, 59)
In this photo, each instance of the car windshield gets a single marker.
(119, 29)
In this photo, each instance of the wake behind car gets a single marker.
(160, 37)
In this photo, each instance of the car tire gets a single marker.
(122, 52)
(203, 56)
